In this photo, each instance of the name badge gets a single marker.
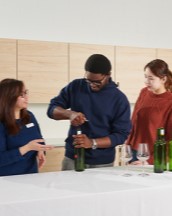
(30, 125)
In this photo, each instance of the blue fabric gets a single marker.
(11, 161)
(107, 110)
(134, 156)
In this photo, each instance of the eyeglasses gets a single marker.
(96, 82)
(24, 93)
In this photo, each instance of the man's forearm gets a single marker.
(61, 114)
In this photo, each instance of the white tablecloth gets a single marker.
(94, 192)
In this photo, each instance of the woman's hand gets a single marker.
(41, 159)
(35, 145)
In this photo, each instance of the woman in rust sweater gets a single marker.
(153, 108)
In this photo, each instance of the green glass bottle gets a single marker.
(79, 156)
(170, 155)
(159, 152)
(165, 148)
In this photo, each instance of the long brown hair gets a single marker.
(160, 69)
(10, 90)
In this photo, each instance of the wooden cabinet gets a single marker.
(79, 53)
(43, 66)
(130, 62)
(8, 66)
(46, 67)
(54, 159)
(166, 55)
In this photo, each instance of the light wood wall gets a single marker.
(55, 156)
(166, 55)
(54, 159)
(78, 54)
(8, 58)
(43, 66)
(46, 67)
(129, 64)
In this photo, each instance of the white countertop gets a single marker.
(94, 192)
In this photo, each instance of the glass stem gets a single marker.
(143, 167)
(126, 167)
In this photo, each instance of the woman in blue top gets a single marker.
(21, 144)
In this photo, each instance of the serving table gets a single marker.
(94, 192)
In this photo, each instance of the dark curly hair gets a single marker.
(98, 64)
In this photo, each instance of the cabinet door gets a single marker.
(54, 159)
(166, 55)
(130, 63)
(79, 53)
(7, 58)
(43, 66)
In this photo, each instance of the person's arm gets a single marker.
(7, 156)
(121, 123)
(59, 107)
(60, 113)
(34, 145)
(10, 156)
(134, 114)
(41, 158)
(119, 128)
(81, 140)
(76, 118)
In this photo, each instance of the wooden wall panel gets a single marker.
(130, 62)
(54, 159)
(7, 58)
(44, 68)
(166, 55)
(79, 53)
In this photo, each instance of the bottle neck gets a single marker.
(78, 130)
(160, 134)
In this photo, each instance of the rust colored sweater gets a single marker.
(150, 112)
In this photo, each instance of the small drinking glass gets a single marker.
(126, 156)
(143, 155)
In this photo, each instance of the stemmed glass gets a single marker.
(126, 155)
(143, 155)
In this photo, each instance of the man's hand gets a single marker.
(77, 118)
(81, 140)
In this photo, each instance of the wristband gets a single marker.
(94, 144)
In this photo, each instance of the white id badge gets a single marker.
(30, 125)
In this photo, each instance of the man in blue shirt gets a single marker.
(99, 108)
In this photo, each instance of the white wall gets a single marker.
(50, 128)
(141, 23)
